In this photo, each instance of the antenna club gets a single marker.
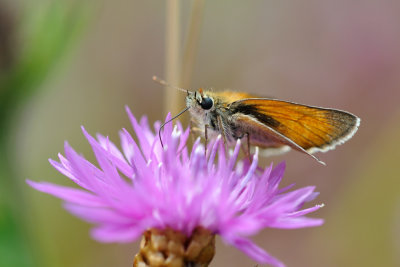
(158, 80)
(164, 83)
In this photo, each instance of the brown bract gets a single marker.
(170, 248)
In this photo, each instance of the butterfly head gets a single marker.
(199, 102)
(200, 105)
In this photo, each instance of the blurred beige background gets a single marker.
(341, 54)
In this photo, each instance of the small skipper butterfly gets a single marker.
(273, 125)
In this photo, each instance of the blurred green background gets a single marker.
(69, 63)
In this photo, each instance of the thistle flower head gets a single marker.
(147, 186)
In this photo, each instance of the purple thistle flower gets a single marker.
(146, 186)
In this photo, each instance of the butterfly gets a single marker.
(273, 125)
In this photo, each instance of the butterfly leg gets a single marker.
(246, 148)
(222, 130)
(206, 139)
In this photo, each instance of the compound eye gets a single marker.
(206, 103)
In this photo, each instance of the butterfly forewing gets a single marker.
(311, 128)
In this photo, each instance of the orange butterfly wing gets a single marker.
(305, 128)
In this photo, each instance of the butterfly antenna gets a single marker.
(164, 83)
(162, 126)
